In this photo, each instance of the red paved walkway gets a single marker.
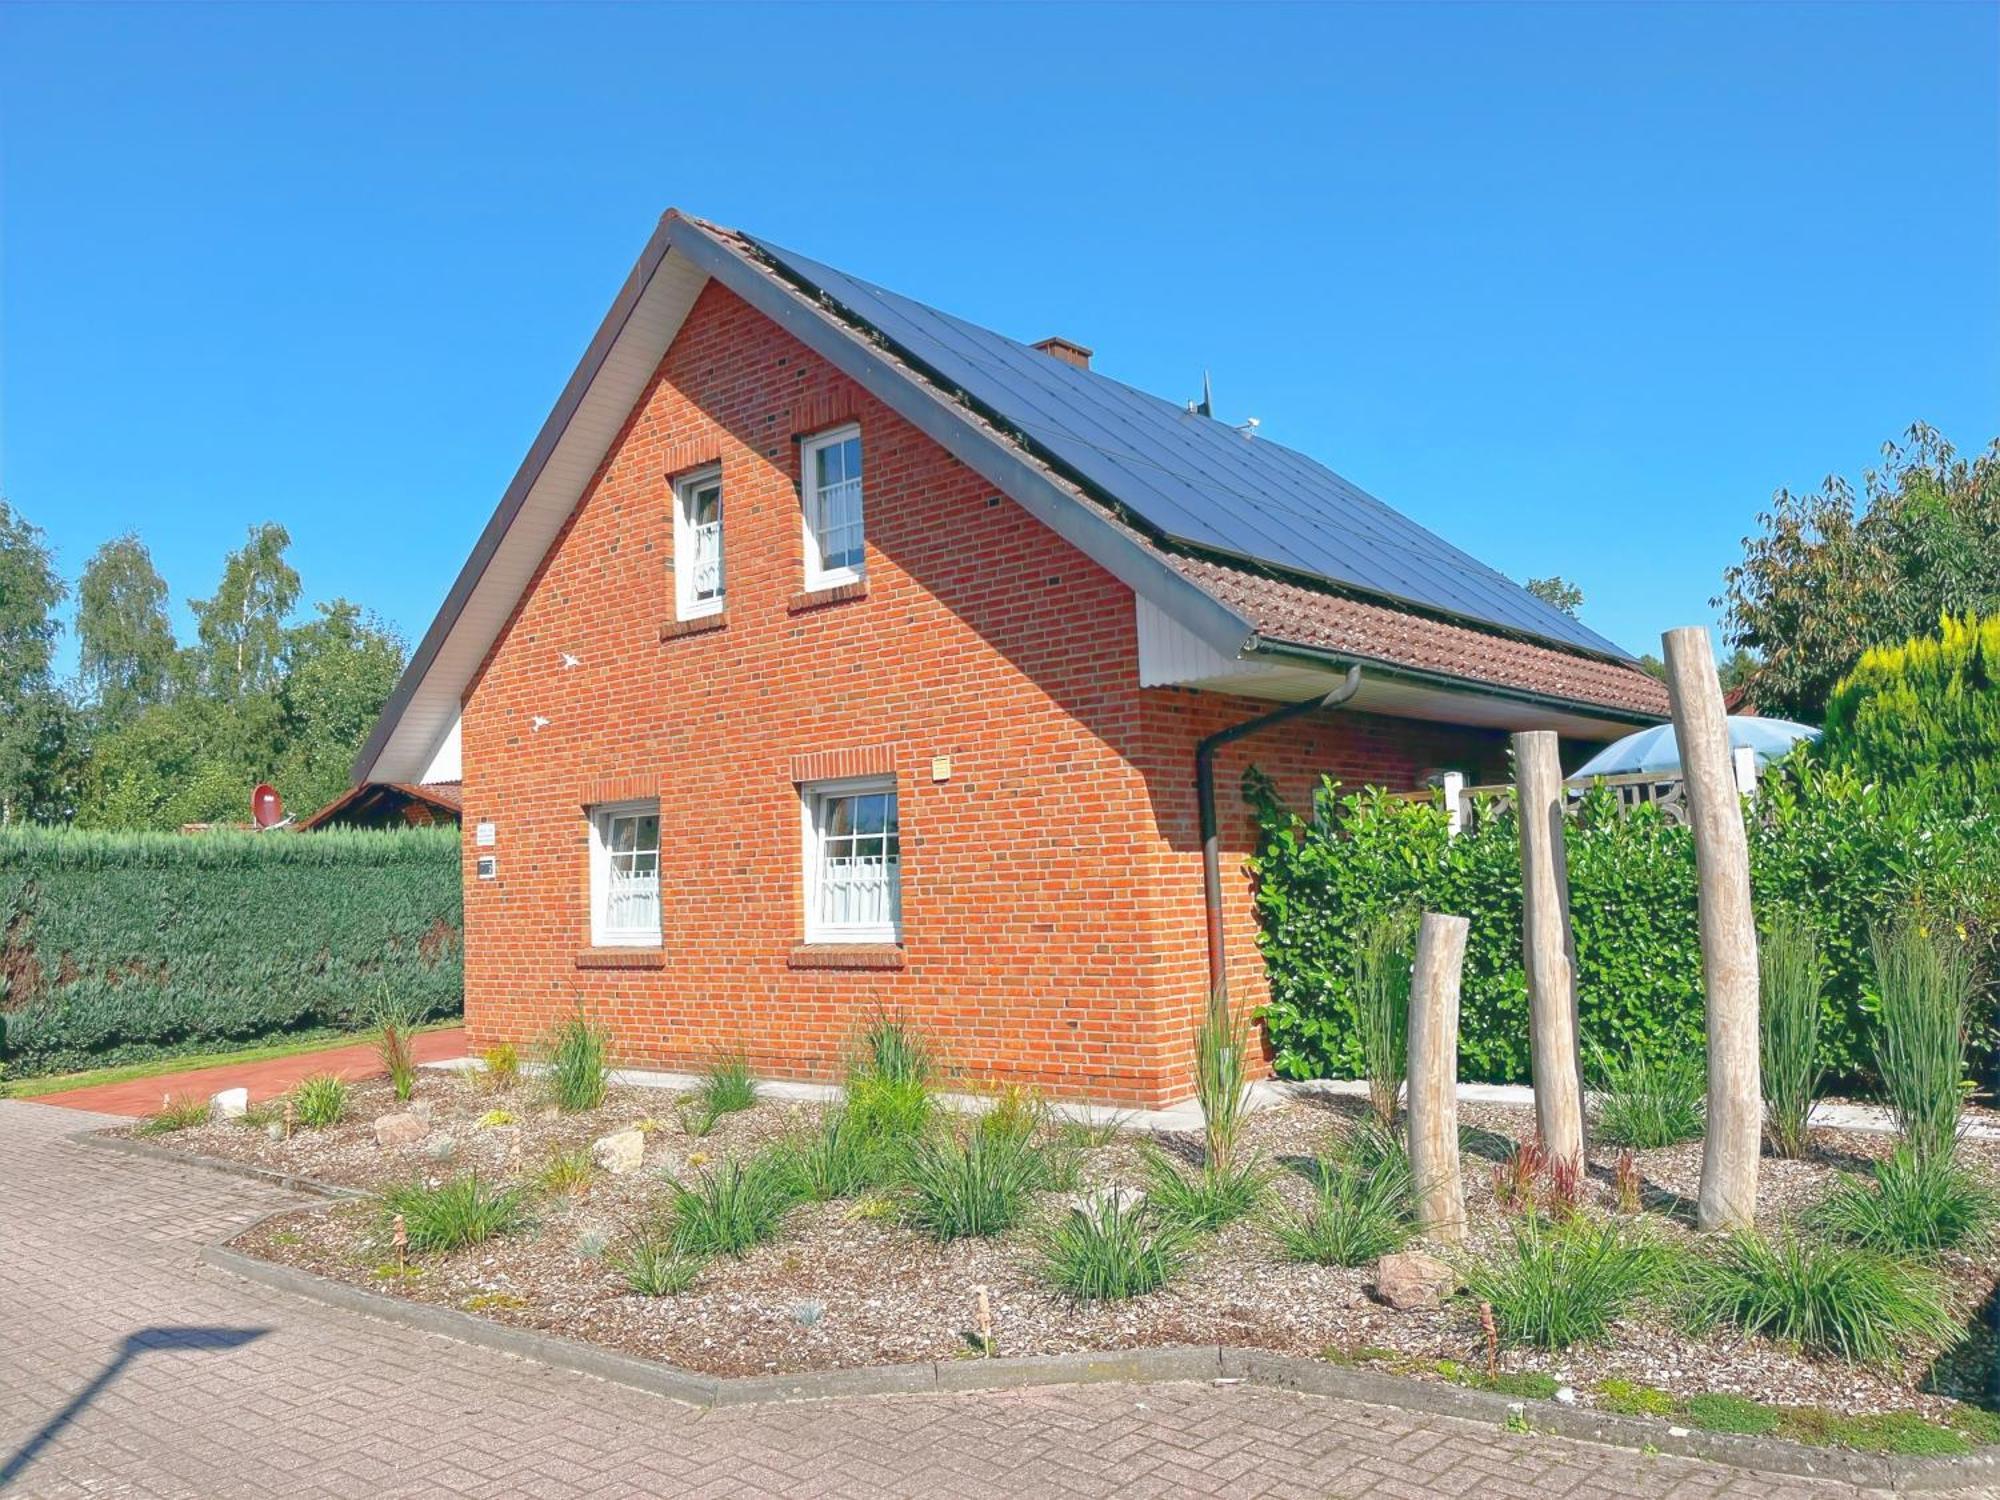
(264, 1079)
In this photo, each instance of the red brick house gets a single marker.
(829, 654)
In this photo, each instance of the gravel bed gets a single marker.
(847, 1285)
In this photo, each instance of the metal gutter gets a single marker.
(1261, 646)
(1211, 839)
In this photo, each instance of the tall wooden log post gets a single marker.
(1728, 933)
(1433, 1100)
(1548, 951)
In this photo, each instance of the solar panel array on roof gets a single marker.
(1198, 480)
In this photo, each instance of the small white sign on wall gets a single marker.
(489, 867)
(483, 835)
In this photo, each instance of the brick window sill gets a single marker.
(846, 956)
(840, 593)
(675, 630)
(621, 958)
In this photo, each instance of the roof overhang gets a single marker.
(678, 261)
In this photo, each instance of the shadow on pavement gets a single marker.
(144, 1341)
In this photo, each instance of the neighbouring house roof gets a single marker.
(377, 804)
(1255, 548)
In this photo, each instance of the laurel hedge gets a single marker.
(116, 947)
(1843, 852)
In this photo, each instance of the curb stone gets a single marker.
(1891, 1473)
(98, 1140)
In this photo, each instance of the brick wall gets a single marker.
(1051, 887)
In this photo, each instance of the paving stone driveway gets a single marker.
(127, 1369)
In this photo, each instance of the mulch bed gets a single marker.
(846, 1285)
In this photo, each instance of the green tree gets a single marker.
(1557, 590)
(36, 728)
(194, 759)
(125, 642)
(241, 626)
(1926, 710)
(339, 671)
(1824, 579)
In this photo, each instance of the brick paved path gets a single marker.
(227, 1389)
(265, 1080)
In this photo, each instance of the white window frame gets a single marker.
(686, 487)
(813, 796)
(818, 577)
(602, 933)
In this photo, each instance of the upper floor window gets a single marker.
(854, 862)
(625, 874)
(698, 544)
(831, 490)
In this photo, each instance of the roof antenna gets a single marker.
(1248, 426)
(1206, 406)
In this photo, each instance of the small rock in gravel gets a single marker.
(400, 1130)
(230, 1104)
(1411, 1281)
(620, 1152)
(1566, 1394)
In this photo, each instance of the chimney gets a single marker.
(1067, 350)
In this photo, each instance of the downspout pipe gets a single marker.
(1204, 783)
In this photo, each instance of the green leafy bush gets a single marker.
(1842, 853)
(578, 1074)
(1566, 1283)
(1222, 1078)
(968, 1184)
(395, 1046)
(126, 946)
(568, 1171)
(1789, 984)
(1920, 1055)
(1111, 1249)
(1647, 1101)
(837, 1160)
(652, 1267)
(731, 1209)
(889, 1080)
(1827, 1298)
(181, 1112)
(1356, 1214)
(320, 1100)
(1915, 1205)
(727, 1087)
(1206, 1198)
(463, 1211)
(1382, 958)
(1924, 711)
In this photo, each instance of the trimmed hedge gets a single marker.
(1843, 852)
(120, 946)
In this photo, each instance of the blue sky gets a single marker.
(1576, 286)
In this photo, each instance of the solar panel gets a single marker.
(1198, 480)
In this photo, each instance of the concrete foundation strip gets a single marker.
(1211, 1363)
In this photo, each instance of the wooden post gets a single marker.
(1548, 952)
(1728, 933)
(1433, 1098)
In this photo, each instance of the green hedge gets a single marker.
(121, 946)
(1843, 852)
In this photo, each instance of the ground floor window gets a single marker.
(625, 874)
(853, 862)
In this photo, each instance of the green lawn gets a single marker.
(291, 1046)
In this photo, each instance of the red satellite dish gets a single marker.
(266, 806)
